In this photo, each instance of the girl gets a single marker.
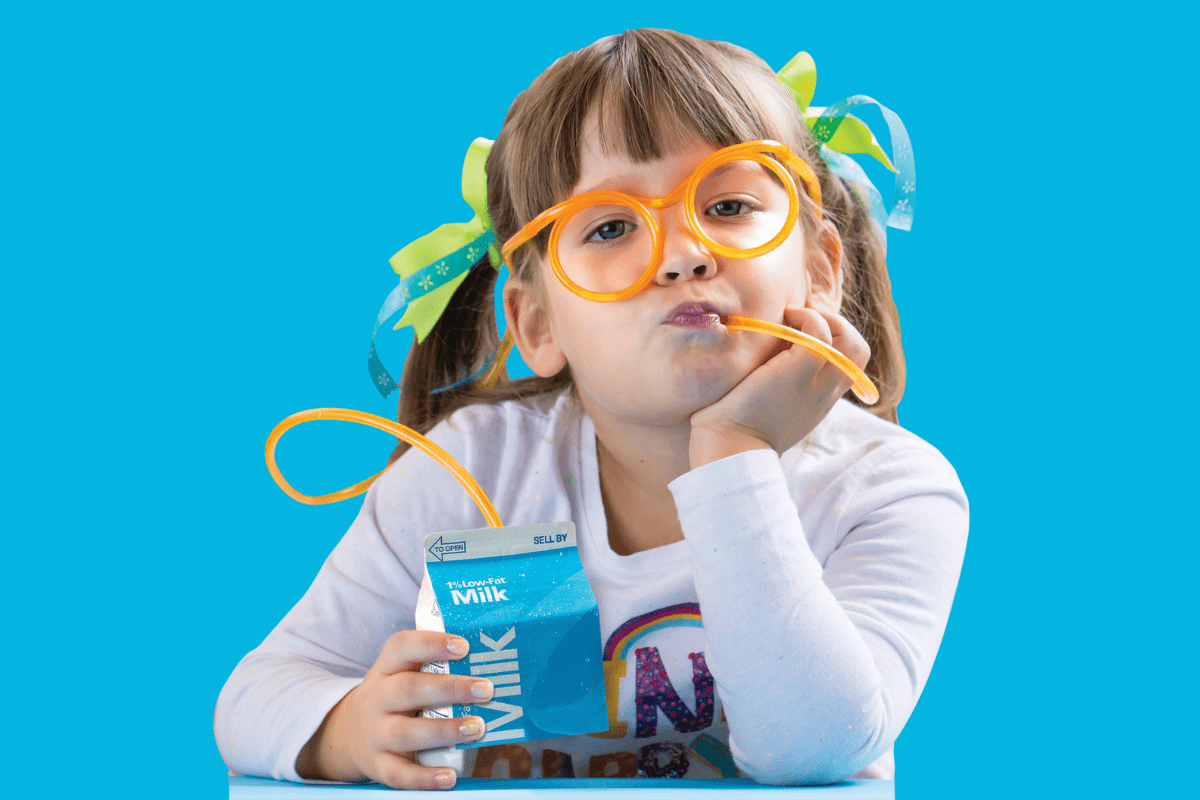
(773, 563)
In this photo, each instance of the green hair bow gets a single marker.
(432, 267)
(839, 133)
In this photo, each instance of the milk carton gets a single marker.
(519, 595)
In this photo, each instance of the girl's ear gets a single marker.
(528, 322)
(825, 270)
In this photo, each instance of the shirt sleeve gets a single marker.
(818, 666)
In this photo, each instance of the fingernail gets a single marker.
(471, 726)
(482, 689)
(457, 646)
(444, 779)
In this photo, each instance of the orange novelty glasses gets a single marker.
(739, 202)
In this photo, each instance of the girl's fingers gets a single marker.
(412, 691)
(810, 321)
(398, 772)
(836, 331)
(408, 650)
(402, 733)
(848, 341)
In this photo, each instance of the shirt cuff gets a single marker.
(739, 516)
(723, 480)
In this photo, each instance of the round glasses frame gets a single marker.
(776, 157)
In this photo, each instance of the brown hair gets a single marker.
(651, 86)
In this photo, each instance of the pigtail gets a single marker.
(460, 344)
(867, 290)
(454, 345)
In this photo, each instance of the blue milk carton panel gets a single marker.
(519, 595)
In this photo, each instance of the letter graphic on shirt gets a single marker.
(624, 765)
(614, 670)
(654, 691)
(663, 760)
(715, 754)
(556, 764)
(518, 760)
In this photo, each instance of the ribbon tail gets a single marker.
(905, 195)
(848, 169)
(383, 380)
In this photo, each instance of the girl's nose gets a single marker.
(684, 257)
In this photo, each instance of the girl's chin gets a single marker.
(676, 389)
(699, 388)
(706, 374)
(663, 403)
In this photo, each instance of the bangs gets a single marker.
(654, 93)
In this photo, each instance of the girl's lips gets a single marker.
(693, 315)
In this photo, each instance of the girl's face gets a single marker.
(659, 356)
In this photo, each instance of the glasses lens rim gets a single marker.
(605, 198)
(736, 153)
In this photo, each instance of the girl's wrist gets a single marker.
(324, 756)
(709, 443)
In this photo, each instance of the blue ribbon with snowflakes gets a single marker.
(420, 284)
(905, 195)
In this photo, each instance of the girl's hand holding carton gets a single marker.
(373, 732)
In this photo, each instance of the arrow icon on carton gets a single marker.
(438, 548)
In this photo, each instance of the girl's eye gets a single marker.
(729, 208)
(607, 231)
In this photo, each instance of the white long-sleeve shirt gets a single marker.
(788, 636)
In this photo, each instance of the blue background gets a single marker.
(199, 202)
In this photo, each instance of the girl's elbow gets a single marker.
(828, 760)
(784, 773)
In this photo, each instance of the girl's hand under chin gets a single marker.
(781, 401)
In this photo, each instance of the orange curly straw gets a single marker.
(396, 429)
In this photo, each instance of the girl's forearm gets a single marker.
(821, 683)
(799, 686)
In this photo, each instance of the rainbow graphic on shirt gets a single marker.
(681, 614)
(623, 638)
